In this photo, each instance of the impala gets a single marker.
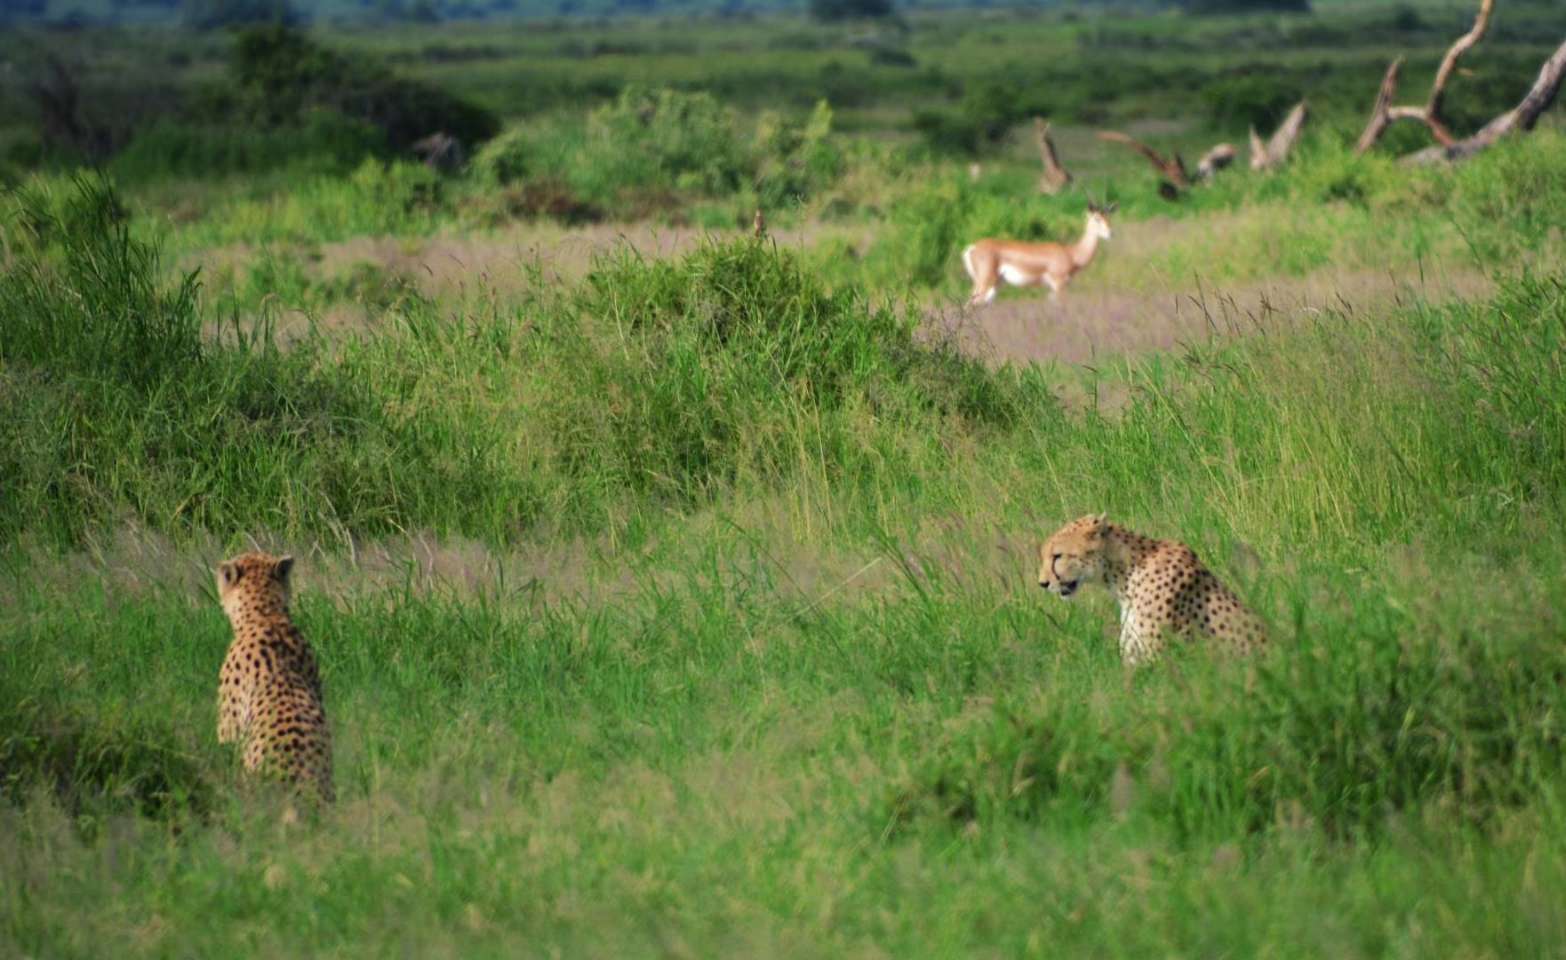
(1033, 264)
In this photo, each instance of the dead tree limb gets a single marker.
(1383, 114)
(1546, 87)
(1273, 153)
(1214, 160)
(1172, 169)
(1449, 62)
(1055, 177)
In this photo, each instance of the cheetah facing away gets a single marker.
(1161, 586)
(269, 690)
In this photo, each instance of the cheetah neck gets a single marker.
(1123, 551)
(266, 610)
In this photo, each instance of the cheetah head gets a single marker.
(1074, 555)
(253, 579)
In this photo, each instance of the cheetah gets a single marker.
(269, 690)
(1161, 586)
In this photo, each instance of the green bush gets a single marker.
(1248, 100)
(724, 352)
(986, 114)
(278, 75)
(647, 149)
(666, 138)
(933, 222)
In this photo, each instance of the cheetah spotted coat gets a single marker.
(1161, 586)
(269, 690)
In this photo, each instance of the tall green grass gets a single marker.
(676, 382)
(747, 647)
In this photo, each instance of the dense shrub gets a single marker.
(648, 148)
(668, 138)
(985, 115)
(1248, 100)
(288, 103)
(278, 74)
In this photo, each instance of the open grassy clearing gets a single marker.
(708, 649)
(674, 590)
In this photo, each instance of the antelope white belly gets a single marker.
(1015, 276)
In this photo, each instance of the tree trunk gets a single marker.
(1546, 87)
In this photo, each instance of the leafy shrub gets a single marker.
(1248, 100)
(793, 162)
(725, 348)
(641, 152)
(668, 138)
(931, 224)
(987, 113)
(278, 75)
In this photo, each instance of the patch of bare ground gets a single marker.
(1088, 325)
(507, 260)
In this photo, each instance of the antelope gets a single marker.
(1033, 264)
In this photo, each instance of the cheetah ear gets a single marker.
(228, 573)
(284, 565)
(1100, 523)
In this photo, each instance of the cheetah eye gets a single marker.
(1056, 556)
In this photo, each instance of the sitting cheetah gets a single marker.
(1161, 587)
(269, 691)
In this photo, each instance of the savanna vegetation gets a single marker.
(673, 585)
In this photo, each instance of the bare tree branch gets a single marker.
(1546, 87)
(1055, 177)
(1271, 155)
(1171, 169)
(1383, 114)
(1219, 157)
(1449, 62)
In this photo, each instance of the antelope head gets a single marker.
(1098, 219)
